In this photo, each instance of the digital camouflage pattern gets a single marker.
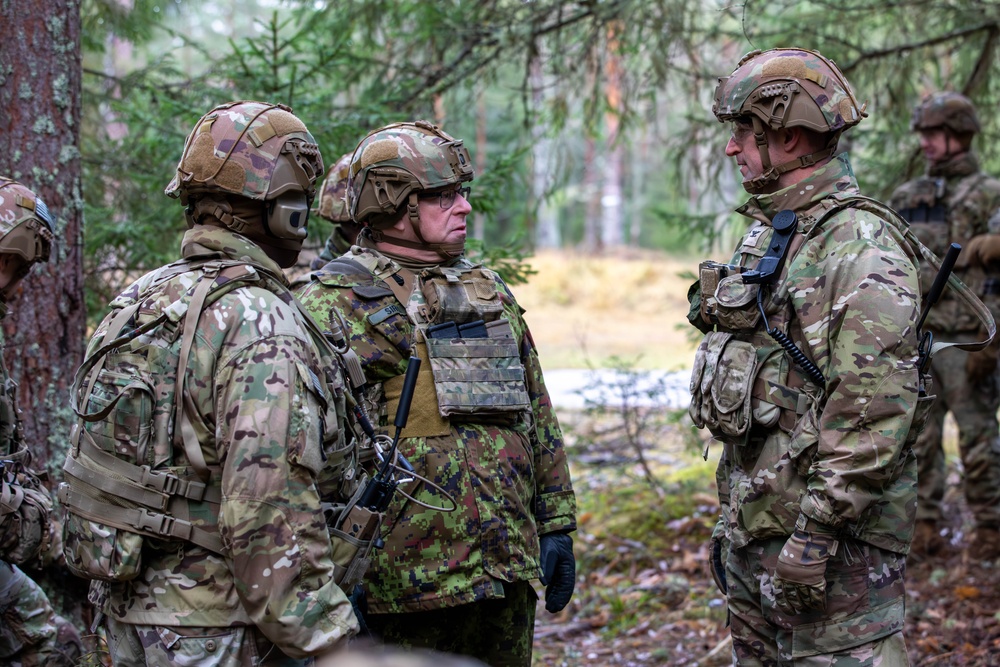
(821, 98)
(262, 419)
(861, 625)
(946, 109)
(395, 161)
(234, 148)
(848, 297)
(511, 482)
(952, 203)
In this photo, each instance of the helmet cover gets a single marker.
(788, 88)
(403, 158)
(332, 203)
(26, 226)
(946, 109)
(250, 149)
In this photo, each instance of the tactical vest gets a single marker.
(742, 377)
(475, 371)
(120, 488)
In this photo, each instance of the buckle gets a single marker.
(164, 482)
(162, 524)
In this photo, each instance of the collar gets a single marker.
(960, 165)
(836, 176)
(202, 240)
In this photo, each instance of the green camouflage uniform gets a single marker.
(848, 297)
(511, 482)
(251, 386)
(952, 203)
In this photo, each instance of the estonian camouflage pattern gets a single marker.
(31, 633)
(511, 483)
(946, 109)
(235, 147)
(411, 157)
(861, 625)
(824, 103)
(499, 632)
(259, 418)
(969, 198)
(853, 292)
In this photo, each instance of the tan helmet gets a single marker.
(255, 150)
(946, 109)
(397, 161)
(26, 227)
(332, 201)
(788, 88)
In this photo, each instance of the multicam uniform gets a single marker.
(509, 478)
(838, 455)
(333, 207)
(259, 415)
(31, 633)
(952, 203)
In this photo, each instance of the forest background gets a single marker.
(589, 122)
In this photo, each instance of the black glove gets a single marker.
(359, 603)
(558, 570)
(718, 565)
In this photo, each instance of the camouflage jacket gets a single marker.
(255, 410)
(26, 528)
(849, 300)
(952, 203)
(511, 483)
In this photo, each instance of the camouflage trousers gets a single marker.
(499, 631)
(31, 633)
(162, 646)
(975, 410)
(860, 627)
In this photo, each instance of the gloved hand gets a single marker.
(982, 250)
(717, 564)
(800, 577)
(359, 603)
(981, 364)
(558, 570)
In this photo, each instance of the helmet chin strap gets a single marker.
(770, 173)
(445, 250)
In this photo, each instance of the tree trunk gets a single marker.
(547, 233)
(612, 223)
(40, 90)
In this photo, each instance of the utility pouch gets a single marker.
(710, 274)
(95, 550)
(353, 531)
(460, 295)
(736, 304)
(721, 384)
(479, 376)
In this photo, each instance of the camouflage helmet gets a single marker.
(236, 148)
(332, 204)
(946, 109)
(788, 88)
(26, 227)
(400, 159)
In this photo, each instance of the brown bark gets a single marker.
(40, 101)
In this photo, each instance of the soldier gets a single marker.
(332, 206)
(212, 425)
(31, 633)
(808, 374)
(497, 505)
(952, 203)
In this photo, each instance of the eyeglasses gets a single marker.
(447, 198)
(740, 129)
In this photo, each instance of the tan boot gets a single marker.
(984, 544)
(927, 540)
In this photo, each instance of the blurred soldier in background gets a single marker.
(952, 203)
(212, 424)
(30, 631)
(809, 377)
(495, 506)
(332, 206)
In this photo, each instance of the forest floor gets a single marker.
(644, 594)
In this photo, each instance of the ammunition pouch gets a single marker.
(460, 295)
(24, 518)
(353, 532)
